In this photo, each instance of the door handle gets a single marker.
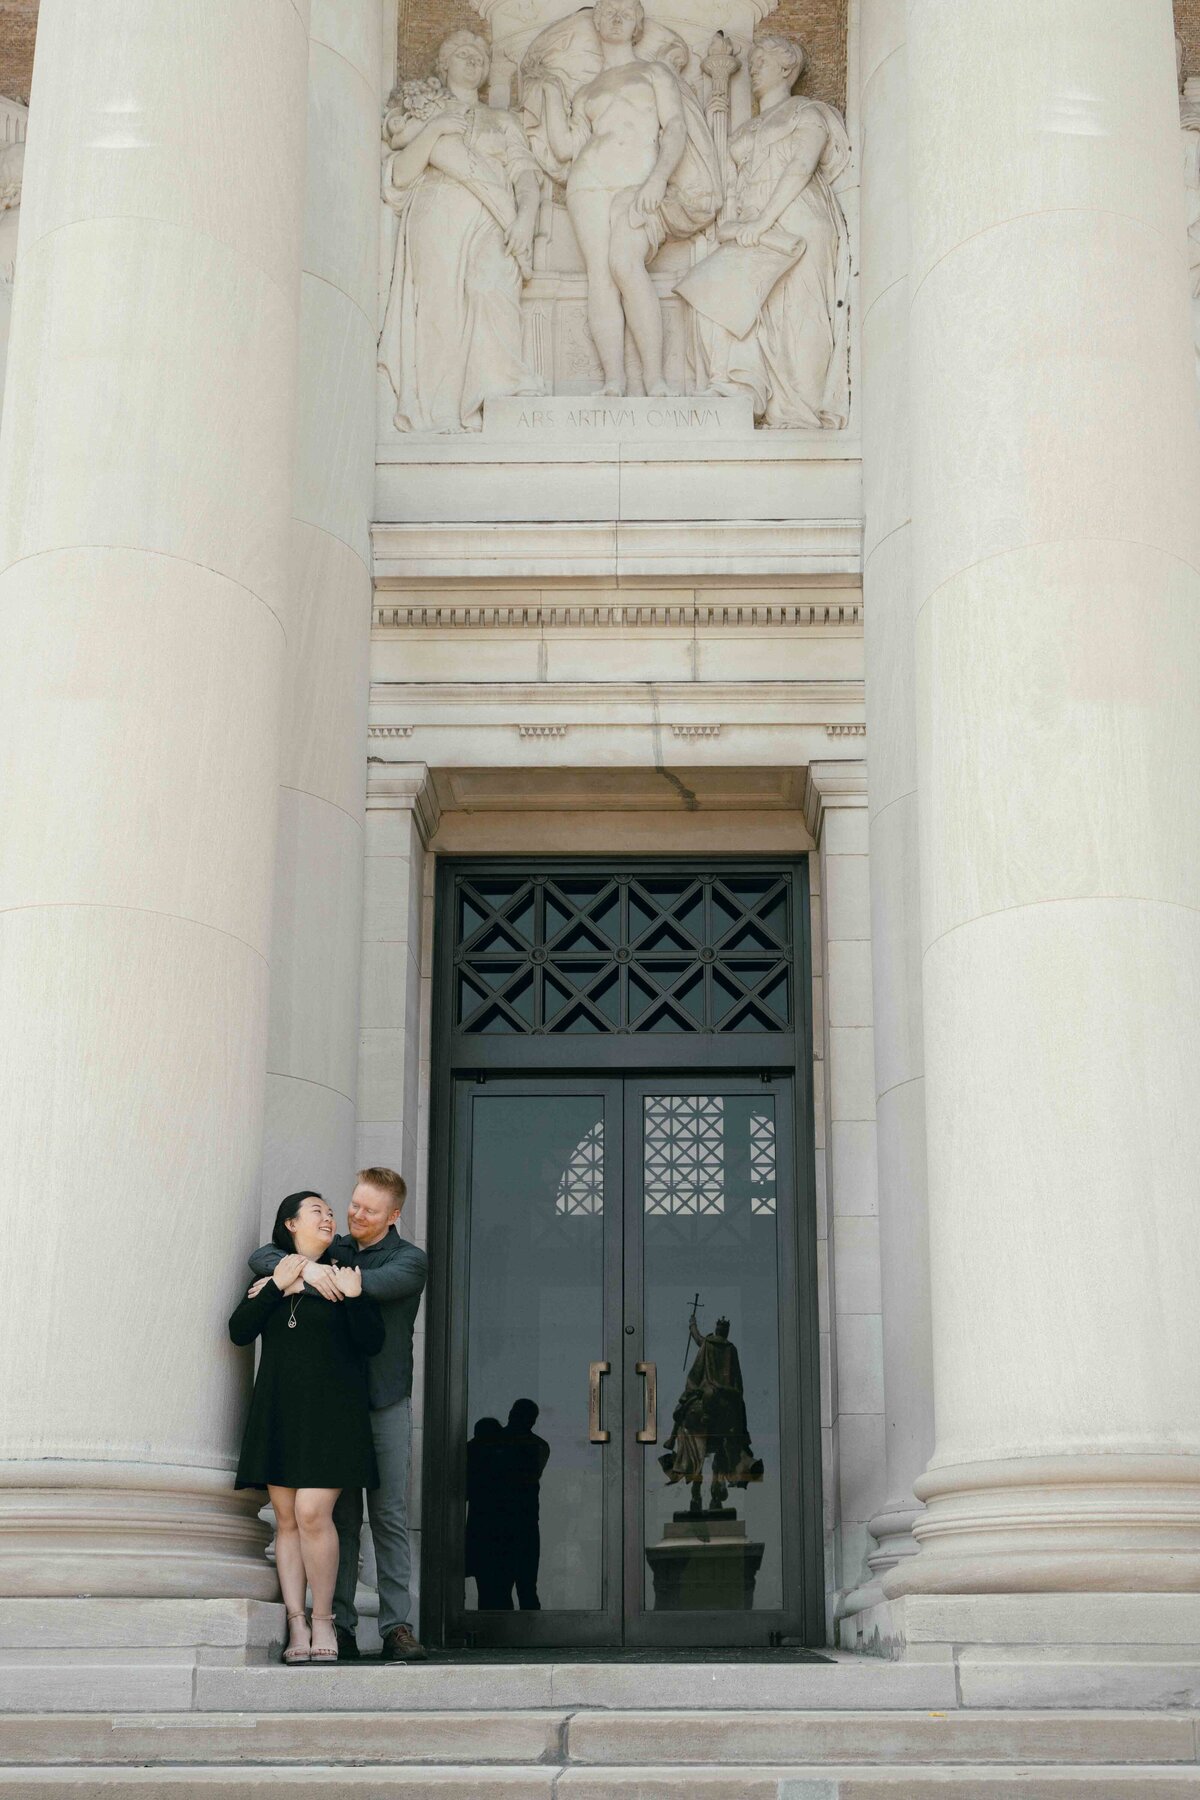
(649, 1432)
(596, 1373)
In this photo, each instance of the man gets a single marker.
(393, 1274)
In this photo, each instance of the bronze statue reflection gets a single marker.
(705, 1562)
(503, 1531)
(710, 1421)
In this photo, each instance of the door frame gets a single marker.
(487, 1059)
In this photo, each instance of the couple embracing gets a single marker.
(331, 1413)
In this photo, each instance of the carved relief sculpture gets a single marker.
(772, 300)
(609, 111)
(465, 188)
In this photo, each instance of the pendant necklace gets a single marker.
(292, 1313)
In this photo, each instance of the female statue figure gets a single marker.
(771, 300)
(465, 188)
(642, 168)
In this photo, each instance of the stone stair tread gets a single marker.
(480, 1782)
(595, 1737)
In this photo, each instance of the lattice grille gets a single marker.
(581, 1184)
(683, 1153)
(762, 1162)
(598, 953)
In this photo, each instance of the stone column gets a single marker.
(1056, 544)
(313, 1049)
(892, 793)
(145, 492)
(397, 989)
(836, 813)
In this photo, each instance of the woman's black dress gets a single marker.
(310, 1422)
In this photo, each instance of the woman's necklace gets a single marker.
(292, 1312)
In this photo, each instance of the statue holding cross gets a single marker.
(710, 1420)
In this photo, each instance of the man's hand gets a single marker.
(287, 1270)
(349, 1282)
(322, 1279)
(258, 1287)
(648, 199)
(751, 232)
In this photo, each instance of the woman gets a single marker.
(792, 356)
(466, 189)
(309, 1431)
(642, 169)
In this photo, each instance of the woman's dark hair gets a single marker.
(281, 1237)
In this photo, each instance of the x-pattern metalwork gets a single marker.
(599, 953)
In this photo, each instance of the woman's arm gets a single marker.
(565, 134)
(408, 165)
(808, 147)
(252, 1313)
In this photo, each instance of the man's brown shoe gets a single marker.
(401, 1646)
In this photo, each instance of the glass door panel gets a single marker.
(542, 1211)
(708, 1539)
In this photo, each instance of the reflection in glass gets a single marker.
(710, 1421)
(534, 1497)
(505, 1464)
(711, 1253)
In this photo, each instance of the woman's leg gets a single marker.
(289, 1564)
(629, 252)
(319, 1547)
(589, 215)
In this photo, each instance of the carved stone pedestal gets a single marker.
(705, 1563)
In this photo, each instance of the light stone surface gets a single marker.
(142, 600)
(894, 861)
(1057, 597)
(313, 1048)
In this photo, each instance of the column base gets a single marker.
(1116, 1524)
(132, 1530)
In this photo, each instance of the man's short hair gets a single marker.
(388, 1180)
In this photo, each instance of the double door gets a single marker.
(627, 1408)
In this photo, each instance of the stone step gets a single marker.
(599, 1738)
(79, 1681)
(1127, 1781)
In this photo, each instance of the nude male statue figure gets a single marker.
(624, 137)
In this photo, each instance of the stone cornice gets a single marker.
(829, 784)
(409, 554)
(403, 787)
(517, 612)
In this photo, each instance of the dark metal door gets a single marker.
(535, 1518)
(713, 1522)
(621, 1120)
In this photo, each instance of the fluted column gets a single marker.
(313, 1053)
(1056, 544)
(892, 790)
(145, 494)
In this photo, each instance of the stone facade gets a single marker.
(498, 506)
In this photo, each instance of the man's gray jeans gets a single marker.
(387, 1509)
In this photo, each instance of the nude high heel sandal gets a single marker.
(322, 1655)
(296, 1653)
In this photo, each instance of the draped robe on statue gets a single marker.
(710, 1419)
(792, 355)
(451, 334)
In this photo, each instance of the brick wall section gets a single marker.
(1187, 24)
(819, 24)
(18, 24)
